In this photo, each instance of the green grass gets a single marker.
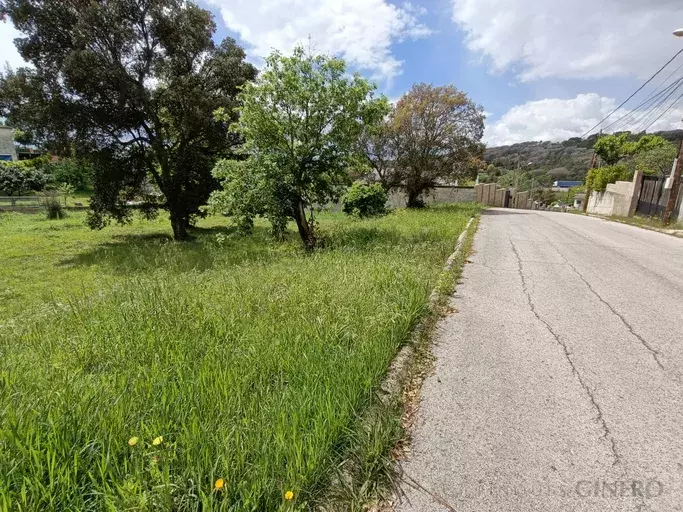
(648, 222)
(252, 359)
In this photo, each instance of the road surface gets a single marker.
(558, 382)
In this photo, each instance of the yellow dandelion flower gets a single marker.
(158, 440)
(219, 484)
(289, 495)
(132, 441)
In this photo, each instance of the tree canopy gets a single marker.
(132, 86)
(433, 135)
(18, 178)
(613, 148)
(658, 160)
(301, 120)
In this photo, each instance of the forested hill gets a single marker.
(568, 159)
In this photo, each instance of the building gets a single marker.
(559, 186)
(578, 201)
(8, 151)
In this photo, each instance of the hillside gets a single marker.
(569, 159)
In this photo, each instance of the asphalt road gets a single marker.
(558, 382)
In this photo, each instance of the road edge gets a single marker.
(367, 479)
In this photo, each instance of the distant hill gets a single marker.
(569, 159)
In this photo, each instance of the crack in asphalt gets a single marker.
(606, 433)
(653, 351)
(656, 354)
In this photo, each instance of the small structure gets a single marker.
(7, 150)
(578, 201)
(560, 186)
(619, 199)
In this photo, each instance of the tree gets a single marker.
(379, 145)
(649, 142)
(66, 190)
(17, 179)
(612, 148)
(438, 133)
(131, 85)
(658, 160)
(301, 121)
(75, 172)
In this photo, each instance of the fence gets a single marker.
(493, 195)
(644, 195)
(20, 201)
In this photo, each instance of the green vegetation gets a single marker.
(650, 223)
(364, 200)
(133, 95)
(300, 120)
(599, 178)
(566, 160)
(19, 178)
(433, 135)
(136, 372)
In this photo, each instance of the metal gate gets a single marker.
(649, 202)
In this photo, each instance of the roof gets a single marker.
(567, 184)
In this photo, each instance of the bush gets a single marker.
(17, 178)
(363, 200)
(598, 179)
(53, 206)
(77, 173)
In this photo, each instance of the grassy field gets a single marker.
(137, 373)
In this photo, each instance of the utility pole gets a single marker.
(588, 190)
(675, 186)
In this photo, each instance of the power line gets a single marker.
(645, 110)
(632, 95)
(659, 107)
(665, 112)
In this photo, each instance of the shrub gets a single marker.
(365, 200)
(77, 173)
(17, 178)
(598, 179)
(53, 206)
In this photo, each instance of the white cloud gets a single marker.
(572, 39)
(9, 52)
(360, 31)
(556, 120)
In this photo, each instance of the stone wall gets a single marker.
(397, 198)
(619, 199)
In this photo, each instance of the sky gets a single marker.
(541, 69)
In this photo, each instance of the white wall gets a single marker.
(619, 199)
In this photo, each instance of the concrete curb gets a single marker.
(678, 233)
(392, 386)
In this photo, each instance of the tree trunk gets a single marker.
(305, 229)
(179, 225)
(414, 200)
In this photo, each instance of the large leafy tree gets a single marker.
(132, 85)
(379, 144)
(613, 148)
(434, 136)
(17, 179)
(657, 160)
(301, 121)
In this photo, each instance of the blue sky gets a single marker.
(542, 69)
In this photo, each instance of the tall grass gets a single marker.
(252, 370)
